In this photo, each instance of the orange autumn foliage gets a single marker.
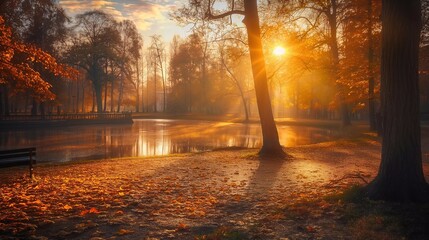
(20, 71)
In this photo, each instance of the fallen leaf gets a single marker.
(124, 231)
(310, 229)
(182, 227)
(84, 212)
(67, 207)
(94, 210)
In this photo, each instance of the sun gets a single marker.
(279, 51)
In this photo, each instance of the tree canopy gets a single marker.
(18, 61)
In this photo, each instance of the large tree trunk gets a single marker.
(400, 177)
(271, 144)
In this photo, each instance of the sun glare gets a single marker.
(279, 51)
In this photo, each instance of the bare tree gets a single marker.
(234, 56)
(158, 49)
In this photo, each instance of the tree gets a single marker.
(361, 46)
(129, 54)
(94, 47)
(325, 18)
(271, 144)
(425, 24)
(18, 62)
(228, 56)
(38, 22)
(333, 11)
(371, 75)
(185, 75)
(157, 46)
(136, 54)
(248, 9)
(400, 176)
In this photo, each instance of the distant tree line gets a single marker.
(115, 72)
(330, 69)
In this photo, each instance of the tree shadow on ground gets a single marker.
(265, 175)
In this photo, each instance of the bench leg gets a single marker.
(31, 165)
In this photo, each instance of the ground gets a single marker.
(223, 194)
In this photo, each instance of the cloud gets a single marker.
(79, 6)
(145, 15)
(150, 16)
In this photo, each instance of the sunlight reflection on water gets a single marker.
(149, 138)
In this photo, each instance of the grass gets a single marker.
(223, 233)
(368, 219)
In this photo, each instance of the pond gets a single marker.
(149, 138)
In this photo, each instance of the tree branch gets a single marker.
(210, 16)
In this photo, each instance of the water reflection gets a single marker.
(148, 138)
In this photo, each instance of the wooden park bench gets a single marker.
(17, 157)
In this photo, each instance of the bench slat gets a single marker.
(15, 162)
(17, 155)
(11, 151)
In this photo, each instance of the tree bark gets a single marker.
(271, 144)
(400, 177)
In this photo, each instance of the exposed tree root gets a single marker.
(357, 175)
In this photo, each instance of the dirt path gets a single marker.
(214, 195)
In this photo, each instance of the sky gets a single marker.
(150, 16)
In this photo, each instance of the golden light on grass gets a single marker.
(279, 51)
